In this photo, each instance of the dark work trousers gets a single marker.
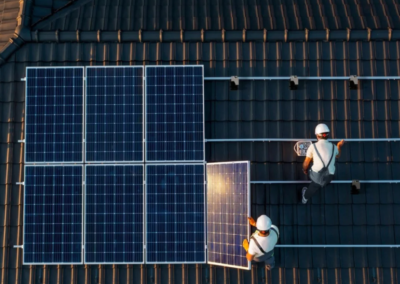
(314, 187)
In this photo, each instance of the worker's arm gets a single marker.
(306, 165)
(339, 145)
(249, 257)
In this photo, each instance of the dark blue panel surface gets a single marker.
(53, 215)
(114, 214)
(175, 201)
(174, 113)
(227, 212)
(54, 114)
(114, 114)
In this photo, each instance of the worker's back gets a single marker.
(324, 148)
(267, 243)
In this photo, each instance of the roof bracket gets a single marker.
(327, 34)
(23, 79)
(19, 246)
(20, 183)
(390, 34)
(78, 36)
(265, 35)
(369, 34)
(348, 34)
(306, 34)
(244, 35)
(98, 35)
(22, 140)
(160, 35)
(181, 35)
(140, 35)
(286, 34)
(223, 35)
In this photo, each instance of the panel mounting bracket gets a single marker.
(19, 246)
(20, 183)
(23, 79)
(21, 141)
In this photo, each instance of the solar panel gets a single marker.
(114, 114)
(53, 215)
(228, 206)
(114, 214)
(175, 205)
(54, 114)
(174, 113)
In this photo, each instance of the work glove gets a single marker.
(252, 221)
(246, 245)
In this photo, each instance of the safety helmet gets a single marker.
(263, 223)
(321, 128)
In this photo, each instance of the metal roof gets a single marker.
(151, 34)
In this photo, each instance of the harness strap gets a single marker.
(333, 153)
(257, 244)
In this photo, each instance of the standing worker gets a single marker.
(323, 154)
(262, 242)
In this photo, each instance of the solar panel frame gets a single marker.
(204, 208)
(143, 115)
(143, 211)
(146, 124)
(83, 113)
(248, 213)
(82, 220)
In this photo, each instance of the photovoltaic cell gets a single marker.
(175, 202)
(54, 114)
(228, 206)
(174, 113)
(114, 214)
(114, 114)
(53, 215)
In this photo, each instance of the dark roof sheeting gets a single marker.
(258, 109)
(229, 15)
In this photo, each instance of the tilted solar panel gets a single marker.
(114, 114)
(174, 113)
(54, 114)
(228, 206)
(114, 214)
(175, 205)
(53, 215)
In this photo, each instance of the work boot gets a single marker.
(303, 199)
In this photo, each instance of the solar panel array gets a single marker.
(228, 206)
(175, 196)
(114, 214)
(54, 114)
(114, 114)
(53, 215)
(174, 113)
(113, 135)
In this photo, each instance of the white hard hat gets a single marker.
(263, 223)
(321, 128)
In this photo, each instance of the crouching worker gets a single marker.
(262, 242)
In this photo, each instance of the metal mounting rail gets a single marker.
(302, 139)
(263, 78)
(307, 181)
(338, 246)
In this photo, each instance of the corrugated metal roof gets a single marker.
(257, 110)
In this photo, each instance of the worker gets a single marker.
(323, 154)
(262, 242)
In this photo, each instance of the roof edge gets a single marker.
(24, 35)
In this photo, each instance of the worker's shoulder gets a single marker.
(275, 229)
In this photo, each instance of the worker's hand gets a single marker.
(246, 245)
(305, 172)
(252, 221)
(341, 143)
